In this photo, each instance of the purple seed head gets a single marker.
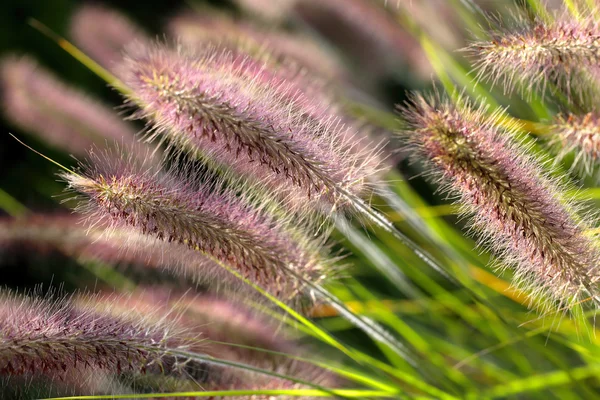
(232, 109)
(41, 336)
(578, 135)
(38, 102)
(235, 229)
(276, 46)
(68, 235)
(221, 325)
(104, 33)
(521, 213)
(366, 32)
(562, 52)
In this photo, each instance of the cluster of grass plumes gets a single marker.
(216, 251)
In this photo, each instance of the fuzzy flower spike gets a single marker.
(52, 337)
(564, 51)
(522, 214)
(230, 225)
(233, 109)
(578, 135)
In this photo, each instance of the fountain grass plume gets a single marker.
(104, 34)
(231, 224)
(37, 102)
(578, 135)
(53, 336)
(294, 66)
(222, 322)
(272, 45)
(230, 108)
(125, 248)
(227, 330)
(367, 34)
(521, 213)
(562, 51)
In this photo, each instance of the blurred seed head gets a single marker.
(271, 45)
(229, 330)
(103, 34)
(37, 102)
(44, 336)
(367, 33)
(521, 213)
(272, 12)
(126, 248)
(578, 135)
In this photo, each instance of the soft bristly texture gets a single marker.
(564, 52)
(367, 33)
(45, 336)
(37, 102)
(578, 135)
(296, 67)
(230, 108)
(104, 33)
(522, 214)
(229, 224)
(73, 382)
(196, 30)
(122, 247)
(222, 324)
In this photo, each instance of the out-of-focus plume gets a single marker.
(39, 103)
(367, 33)
(123, 247)
(104, 33)
(45, 336)
(198, 30)
(578, 135)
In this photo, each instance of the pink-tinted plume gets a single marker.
(522, 214)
